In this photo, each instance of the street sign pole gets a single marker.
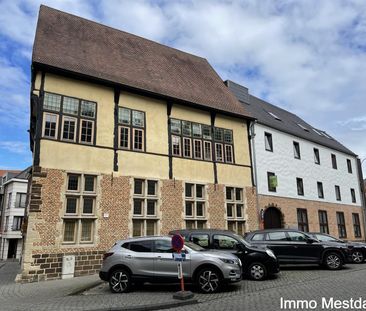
(179, 256)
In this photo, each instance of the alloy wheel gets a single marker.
(209, 281)
(357, 257)
(257, 271)
(333, 261)
(119, 281)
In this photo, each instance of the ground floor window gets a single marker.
(323, 222)
(145, 207)
(302, 219)
(236, 226)
(356, 225)
(196, 224)
(341, 225)
(80, 209)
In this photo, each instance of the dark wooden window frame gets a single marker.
(269, 174)
(131, 133)
(316, 156)
(78, 117)
(320, 188)
(323, 221)
(341, 223)
(270, 141)
(349, 166)
(212, 141)
(300, 182)
(302, 219)
(296, 147)
(338, 195)
(356, 225)
(334, 161)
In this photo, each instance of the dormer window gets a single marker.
(275, 116)
(303, 127)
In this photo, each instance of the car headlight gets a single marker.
(271, 253)
(229, 261)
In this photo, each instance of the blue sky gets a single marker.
(307, 56)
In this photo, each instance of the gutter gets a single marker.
(254, 166)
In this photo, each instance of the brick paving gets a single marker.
(301, 283)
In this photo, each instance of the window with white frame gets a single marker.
(195, 206)
(80, 209)
(68, 118)
(131, 129)
(50, 125)
(235, 210)
(194, 140)
(145, 207)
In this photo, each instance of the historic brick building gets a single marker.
(305, 178)
(129, 137)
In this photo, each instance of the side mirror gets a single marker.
(310, 240)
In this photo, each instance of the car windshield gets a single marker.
(327, 238)
(241, 239)
(194, 246)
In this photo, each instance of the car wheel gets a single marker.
(209, 280)
(333, 261)
(119, 281)
(257, 271)
(357, 257)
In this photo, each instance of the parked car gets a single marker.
(142, 259)
(296, 247)
(258, 262)
(358, 249)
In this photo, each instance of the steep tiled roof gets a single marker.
(283, 120)
(77, 45)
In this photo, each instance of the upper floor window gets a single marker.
(320, 190)
(20, 200)
(353, 195)
(9, 199)
(349, 166)
(316, 156)
(272, 181)
(334, 161)
(200, 141)
(268, 141)
(300, 186)
(297, 154)
(131, 129)
(338, 193)
(68, 118)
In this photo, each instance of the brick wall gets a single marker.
(44, 247)
(288, 208)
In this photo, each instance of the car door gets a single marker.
(278, 242)
(164, 265)
(140, 258)
(303, 249)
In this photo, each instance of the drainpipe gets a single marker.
(363, 195)
(254, 168)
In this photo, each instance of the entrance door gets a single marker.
(272, 218)
(12, 249)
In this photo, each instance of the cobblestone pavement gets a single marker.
(292, 283)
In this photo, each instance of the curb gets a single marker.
(158, 306)
(82, 289)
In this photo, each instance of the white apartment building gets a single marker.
(305, 178)
(12, 207)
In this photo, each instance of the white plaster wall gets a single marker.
(282, 162)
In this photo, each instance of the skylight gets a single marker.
(316, 131)
(303, 127)
(273, 115)
(326, 135)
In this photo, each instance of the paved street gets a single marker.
(303, 283)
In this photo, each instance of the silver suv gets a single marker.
(138, 260)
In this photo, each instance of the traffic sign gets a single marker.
(177, 242)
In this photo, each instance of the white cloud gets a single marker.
(17, 147)
(307, 56)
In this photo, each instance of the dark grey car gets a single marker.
(138, 260)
